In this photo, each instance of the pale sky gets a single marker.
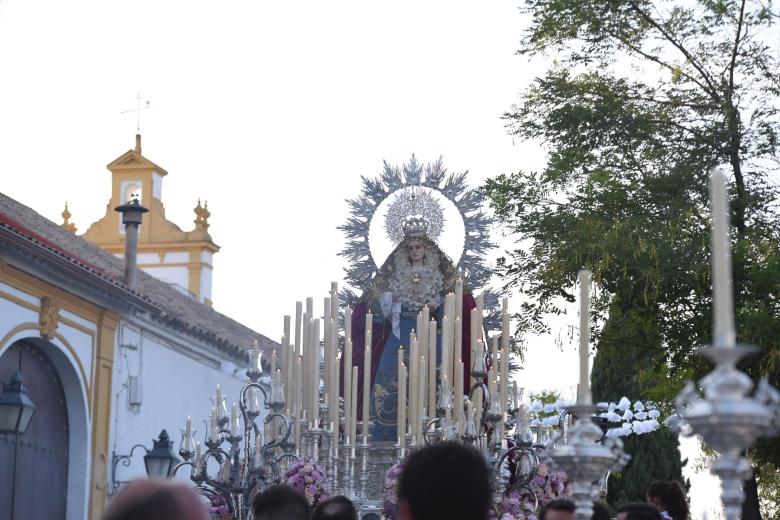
(271, 111)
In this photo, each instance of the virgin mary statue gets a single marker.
(416, 274)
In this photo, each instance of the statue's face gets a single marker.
(416, 250)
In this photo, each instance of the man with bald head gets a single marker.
(153, 499)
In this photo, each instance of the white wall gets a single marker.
(178, 275)
(176, 382)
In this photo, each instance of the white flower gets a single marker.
(612, 417)
(560, 404)
(602, 405)
(536, 407)
(628, 415)
(611, 407)
(548, 408)
(640, 415)
(654, 414)
(624, 403)
(535, 422)
(639, 406)
(550, 421)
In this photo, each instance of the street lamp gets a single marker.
(159, 461)
(16, 407)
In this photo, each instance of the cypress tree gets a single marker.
(629, 352)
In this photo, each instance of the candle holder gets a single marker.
(728, 418)
(586, 458)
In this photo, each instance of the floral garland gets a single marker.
(390, 506)
(310, 479)
(524, 503)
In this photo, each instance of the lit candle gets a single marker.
(724, 333)
(401, 426)
(583, 396)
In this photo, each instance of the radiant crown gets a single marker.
(415, 226)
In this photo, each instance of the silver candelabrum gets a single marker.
(586, 456)
(242, 472)
(729, 419)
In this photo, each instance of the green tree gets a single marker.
(628, 349)
(642, 99)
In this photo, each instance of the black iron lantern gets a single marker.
(16, 407)
(132, 212)
(160, 460)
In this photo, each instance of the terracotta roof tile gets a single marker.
(176, 309)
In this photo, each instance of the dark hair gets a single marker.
(559, 504)
(447, 481)
(280, 502)
(672, 498)
(336, 508)
(640, 511)
(600, 512)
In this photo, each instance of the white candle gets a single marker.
(334, 302)
(459, 396)
(514, 395)
(187, 432)
(431, 335)
(446, 355)
(480, 316)
(298, 325)
(583, 396)
(346, 360)
(366, 389)
(458, 327)
(196, 459)
(310, 306)
(314, 413)
(722, 293)
(354, 400)
(213, 430)
(475, 332)
(273, 360)
(414, 364)
(459, 298)
(421, 404)
(306, 355)
(348, 323)
(234, 421)
(219, 398)
(401, 426)
(422, 331)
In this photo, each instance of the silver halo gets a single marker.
(476, 225)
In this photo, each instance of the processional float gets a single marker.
(311, 399)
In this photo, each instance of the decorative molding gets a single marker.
(49, 316)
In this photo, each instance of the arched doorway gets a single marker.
(37, 470)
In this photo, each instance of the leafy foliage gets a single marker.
(643, 98)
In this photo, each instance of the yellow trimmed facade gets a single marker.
(182, 258)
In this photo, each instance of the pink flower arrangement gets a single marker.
(218, 509)
(520, 504)
(310, 479)
(390, 506)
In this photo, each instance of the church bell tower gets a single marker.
(180, 258)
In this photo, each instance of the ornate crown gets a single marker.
(415, 226)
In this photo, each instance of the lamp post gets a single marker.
(16, 411)
(16, 407)
(159, 461)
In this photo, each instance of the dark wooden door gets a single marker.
(34, 467)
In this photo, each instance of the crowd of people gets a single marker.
(443, 482)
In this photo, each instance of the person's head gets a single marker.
(559, 509)
(152, 499)
(447, 481)
(416, 249)
(280, 502)
(669, 497)
(600, 512)
(336, 508)
(638, 511)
